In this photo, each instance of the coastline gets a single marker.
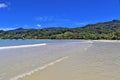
(51, 56)
(43, 44)
(118, 41)
(17, 62)
(82, 65)
(22, 46)
(53, 63)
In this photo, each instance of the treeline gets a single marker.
(107, 30)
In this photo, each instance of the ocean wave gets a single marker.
(40, 68)
(22, 46)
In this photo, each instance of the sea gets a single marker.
(22, 57)
(4, 43)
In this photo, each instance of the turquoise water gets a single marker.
(26, 42)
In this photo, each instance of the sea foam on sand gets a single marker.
(40, 68)
(22, 46)
(115, 41)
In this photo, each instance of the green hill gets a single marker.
(106, 30)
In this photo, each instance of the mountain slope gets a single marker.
(106, 30)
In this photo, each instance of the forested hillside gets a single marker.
(107, 30)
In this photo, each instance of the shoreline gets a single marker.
(88, 64)
(43, 44)
(106, 41)
(22, 46)
(63, 50)
(73, 54)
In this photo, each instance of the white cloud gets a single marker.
(52, 19)
(45, 18)
(38, 25)
(6, 29)
(3, 5)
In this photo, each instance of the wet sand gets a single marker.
(99, 61)
(27, 60)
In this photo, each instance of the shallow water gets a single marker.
(19, 61)
(28, 42)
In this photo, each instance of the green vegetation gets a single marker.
(107, 30)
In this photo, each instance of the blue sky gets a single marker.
(56, 13)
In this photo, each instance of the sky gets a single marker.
(56, 13)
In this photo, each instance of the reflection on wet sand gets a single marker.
(101, 61)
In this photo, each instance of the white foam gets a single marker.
(115, 41)
(89, 41)
(38, 69)
(86, 48)
(22, 46)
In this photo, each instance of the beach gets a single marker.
(60, 40)
(87, 60)
(19, 61)
(101, 61)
